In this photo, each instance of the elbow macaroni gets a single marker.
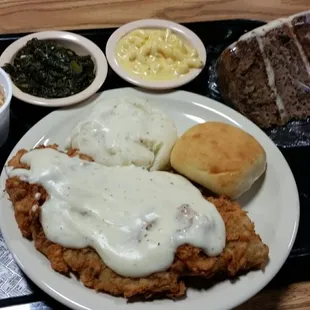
(156, 54)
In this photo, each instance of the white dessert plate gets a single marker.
(272, 204)
(79, 44)
(182, 31)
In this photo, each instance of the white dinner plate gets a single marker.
(272, 204)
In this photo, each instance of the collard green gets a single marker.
(49, 70)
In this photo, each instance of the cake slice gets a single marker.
(266, 73)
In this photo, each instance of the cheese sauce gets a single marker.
(135, 219)
(126, 131)
(156, 54)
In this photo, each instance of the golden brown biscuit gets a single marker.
(221, 157)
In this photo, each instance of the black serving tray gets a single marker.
(18, 289)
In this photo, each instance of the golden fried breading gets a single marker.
(244, 249)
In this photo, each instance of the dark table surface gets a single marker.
(16, 289)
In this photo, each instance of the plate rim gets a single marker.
(177, 95)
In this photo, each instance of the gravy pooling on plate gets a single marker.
(133, 218)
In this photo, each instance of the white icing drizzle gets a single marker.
(262, 30)
(258, 33)
(304, 13)
(271, 80)
(300, 49)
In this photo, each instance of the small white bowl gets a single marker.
(184, 32)
(78, 44)
(6, 88)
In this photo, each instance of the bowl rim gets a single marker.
(7, 91)
(94, 51)
(154, 23)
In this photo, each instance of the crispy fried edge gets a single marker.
(244, 249)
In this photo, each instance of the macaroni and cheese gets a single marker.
(156, 54)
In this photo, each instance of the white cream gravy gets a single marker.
(135, 219)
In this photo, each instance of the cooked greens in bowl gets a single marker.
(47, 69)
